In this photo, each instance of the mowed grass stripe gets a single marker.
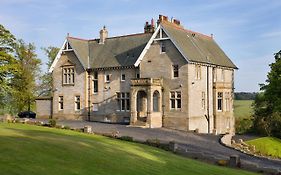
(27, 149)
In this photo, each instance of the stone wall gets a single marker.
(43, 108)
(69, 91)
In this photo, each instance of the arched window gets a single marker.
(156, 104)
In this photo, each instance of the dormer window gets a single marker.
(68, 75)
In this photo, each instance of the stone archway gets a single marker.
(141, 106)
(146, 102)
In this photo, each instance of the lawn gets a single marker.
(269, 146)
(28, 149)
(243, 108)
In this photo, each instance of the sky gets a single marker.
(249, 31)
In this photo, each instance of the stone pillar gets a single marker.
(149, 106)
(133, 107)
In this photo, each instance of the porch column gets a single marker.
(133, 107)
(149, 106)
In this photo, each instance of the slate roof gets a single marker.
(197, 47)
(125, 50)
(115, 52)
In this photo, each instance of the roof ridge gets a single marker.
(187, 30)
(77, 38)
(120, 36)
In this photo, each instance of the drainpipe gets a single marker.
(89, 95)
(163, 106)
(208, 110)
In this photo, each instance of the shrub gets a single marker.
(66, 127)
(153, 142)
(126, 138)
(52, 123)
(243, 125)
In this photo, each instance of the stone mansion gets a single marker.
(166, 76)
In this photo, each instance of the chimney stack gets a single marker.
(149, 28)
(103, 35)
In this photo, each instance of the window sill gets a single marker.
(68, 84)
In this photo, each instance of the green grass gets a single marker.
(27, 149)
(269, 146)
(243, 108)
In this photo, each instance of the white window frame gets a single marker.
(176, 99)
(77, 103)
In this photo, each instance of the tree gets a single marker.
(8, 64)
(267, 105)
(45, 87)
(23, 82)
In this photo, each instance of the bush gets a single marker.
(126, 138)
(243, 125)
(66, 127)
(52, 123)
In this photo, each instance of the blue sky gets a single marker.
(248, 31)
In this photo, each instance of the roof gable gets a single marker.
(196, 47)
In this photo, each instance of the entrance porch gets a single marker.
(146, 102)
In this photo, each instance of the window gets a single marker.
(123, 77)
(123, 100)
(95, 107)
(175, 100)
(60, 102)
(197, 72)
(175, 71)
(95, 83)
(68, 75)
(77, 103)
(227, 101)
(220, 95)
(162, 47)
(107, 78)
(203, 100)
(156, 99)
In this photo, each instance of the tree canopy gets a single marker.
(267, 105)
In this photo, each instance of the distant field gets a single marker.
(269, 146)
(28, 150)
(243, 108)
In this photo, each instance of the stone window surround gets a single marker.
(60, 103)
(198, 72)
(220, 101)
(176, 100)
(68, 75)
(77, 102)
(123, 98)
(163, 47)
(95, 82)
(175, 71)
(123, 76)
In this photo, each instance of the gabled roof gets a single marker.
(196, 47)
(128, 50)
(117, 51)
